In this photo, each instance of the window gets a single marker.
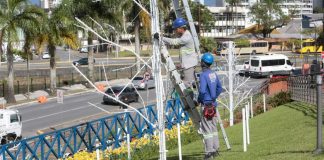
(138, 78)
(14, 118)
(273, 62)
(1, 116)
(259, 44)
(255, 63)
(289, 63)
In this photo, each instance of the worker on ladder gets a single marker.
(209, 89)
(188, 55)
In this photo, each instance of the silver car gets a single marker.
(141, 83)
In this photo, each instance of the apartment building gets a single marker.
(48, 4)
(230, 19)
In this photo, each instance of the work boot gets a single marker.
(208, 156)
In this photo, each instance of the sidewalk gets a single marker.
(22, 99)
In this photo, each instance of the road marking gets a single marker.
(56, 113)
(79, 120)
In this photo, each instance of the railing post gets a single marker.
(116, 72)
(3, 88)
(31, 85)
(18, 87)
(72, 81)
(319, 146)
(45, 83)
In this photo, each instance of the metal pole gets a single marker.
(230, 79)
(244, 130)
(247, 124)
(28, 90)
(264, 103)
(319, 146)
(251, 107)
(158, 78)
(179, 140)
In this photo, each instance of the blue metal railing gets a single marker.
(108, 132)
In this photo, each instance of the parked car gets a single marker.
(127, 96)
(245, 70)
(82, 61)
(46, 55)
(18, 58)
(141, 83)
(84, 50)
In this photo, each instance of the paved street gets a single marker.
(76, 109)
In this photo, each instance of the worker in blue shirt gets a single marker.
(210, 88)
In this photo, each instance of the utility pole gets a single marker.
(156, 65)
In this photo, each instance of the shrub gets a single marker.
(279, 99)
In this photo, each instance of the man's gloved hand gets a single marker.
(156, 36)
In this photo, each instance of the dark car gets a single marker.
(127, 96)
(82, 61)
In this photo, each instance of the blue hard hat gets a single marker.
(208, 58)
(179, 22)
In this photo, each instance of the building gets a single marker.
(231, 19)
(49, 4)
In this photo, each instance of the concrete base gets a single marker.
(20, 97)
(38, 93)
(318, 151)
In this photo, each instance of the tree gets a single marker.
(138, 17)
(15, 15)
(268, 16)
(104, 10)
(202, 15)
(59, 29)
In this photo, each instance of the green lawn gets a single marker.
(286, 132)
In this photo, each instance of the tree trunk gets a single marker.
(90, 58)
(11, 90)
(27, 52)
(51, 50)
(137, 42)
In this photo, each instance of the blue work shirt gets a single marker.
(210, 87)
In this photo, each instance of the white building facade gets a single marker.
(231, 19)
(48, 4)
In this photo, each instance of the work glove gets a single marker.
(156, 36)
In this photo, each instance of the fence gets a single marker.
(109, 131)
(40, 79)
(303, 88)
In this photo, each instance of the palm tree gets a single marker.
(104, 10)
(58, 30)
(14, 15)
(140, 17)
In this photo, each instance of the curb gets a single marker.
(50, 98)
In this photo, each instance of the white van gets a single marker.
(269, 65)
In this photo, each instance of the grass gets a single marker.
(286, 132)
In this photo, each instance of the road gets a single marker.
(63, 60)
(75, 110)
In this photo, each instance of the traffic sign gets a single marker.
(60, 96)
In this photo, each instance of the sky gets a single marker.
(35, 1)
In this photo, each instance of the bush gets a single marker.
(279, 99)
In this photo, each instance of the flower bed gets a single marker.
(145, 147)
